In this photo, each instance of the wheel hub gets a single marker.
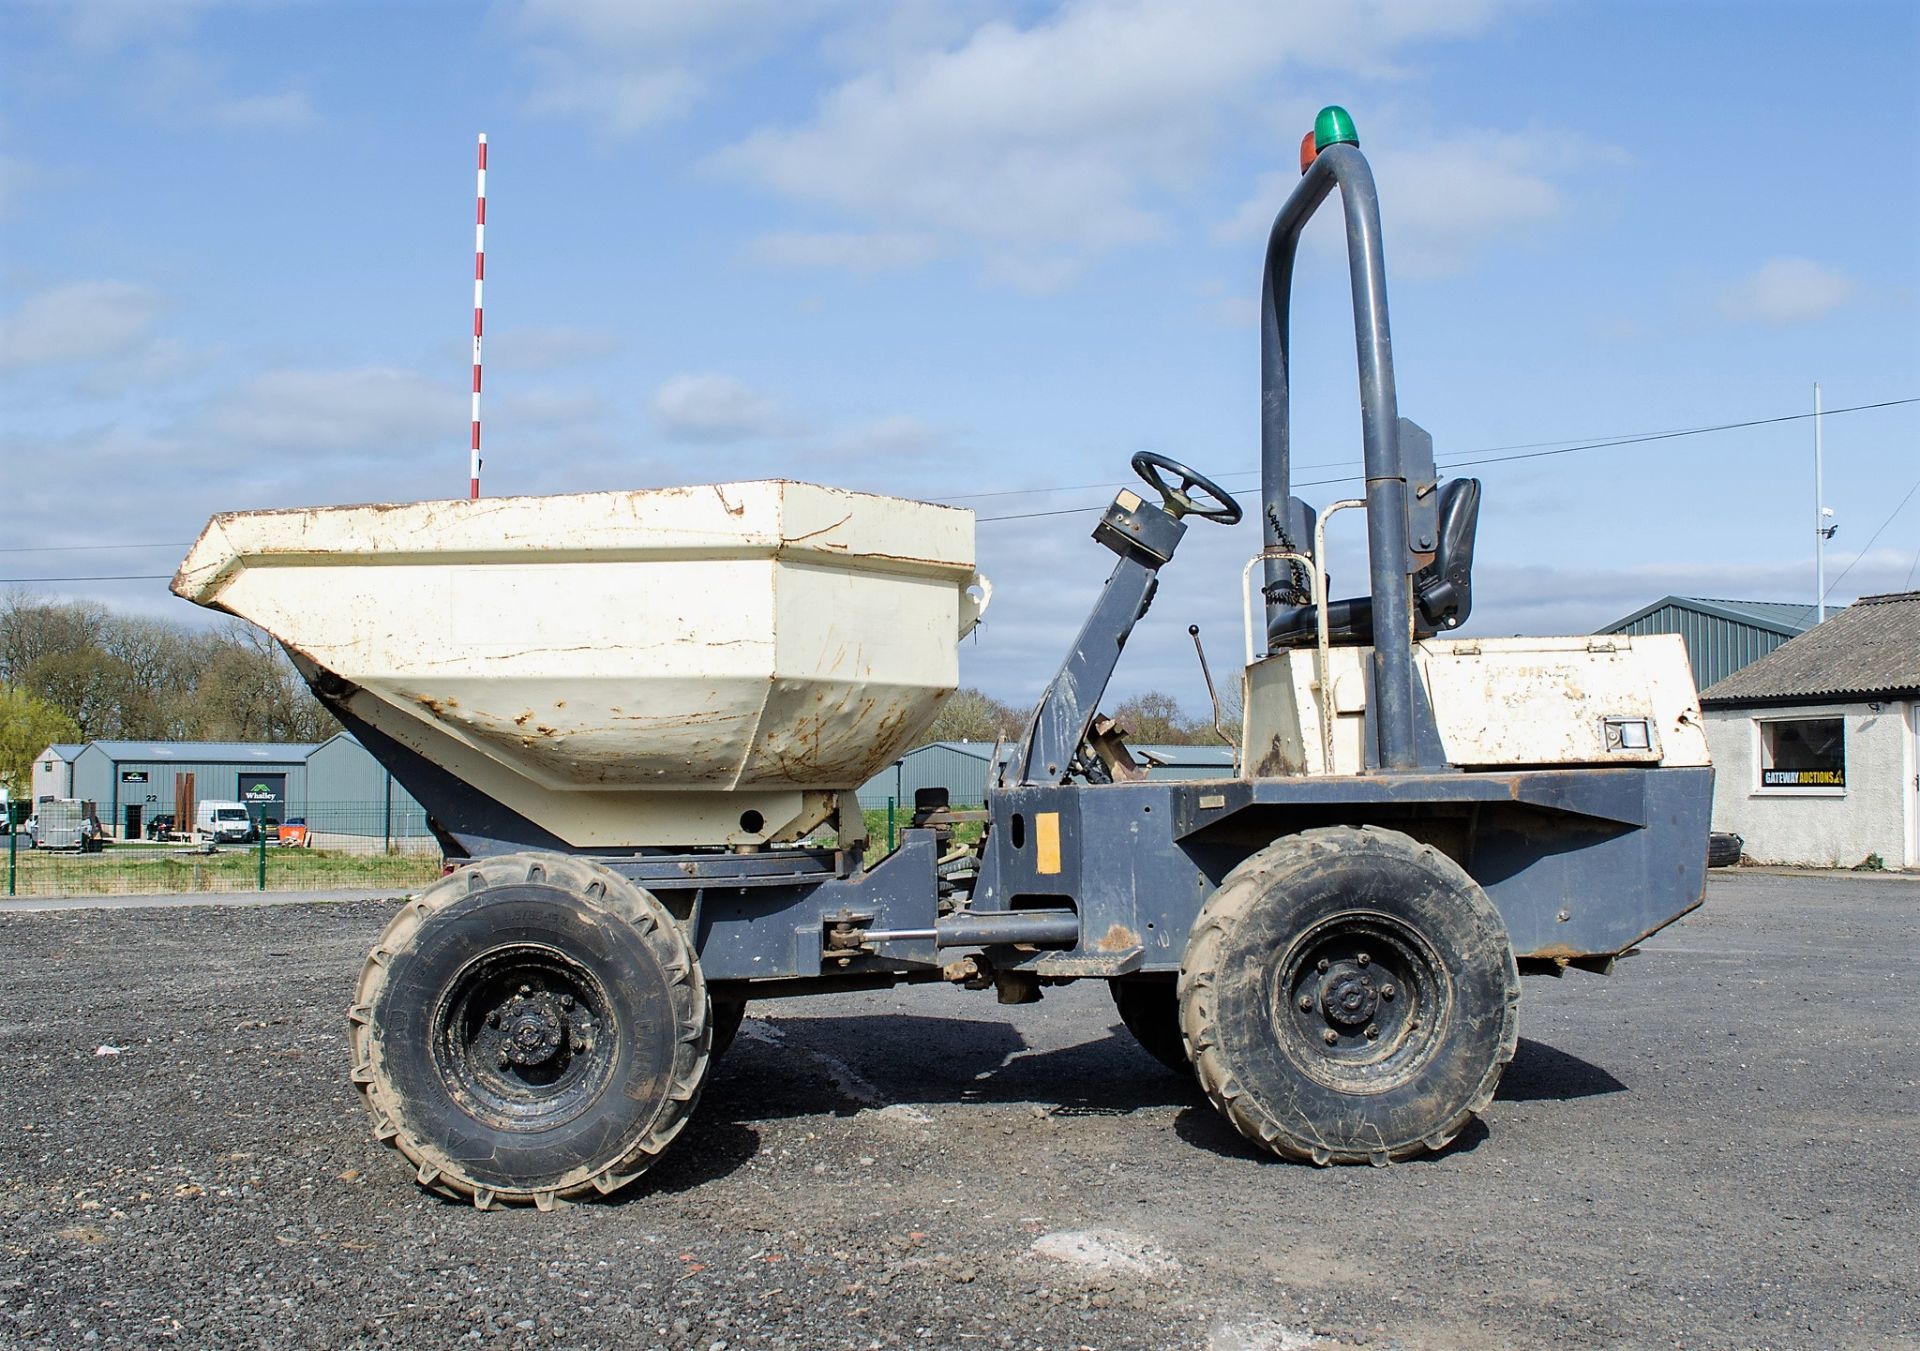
(521, 1037)
(1348, 996)
(534, 1029)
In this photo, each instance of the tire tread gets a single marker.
(1239, 891)
(594, 887)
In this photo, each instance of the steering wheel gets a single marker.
(1148, 464)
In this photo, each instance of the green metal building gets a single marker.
(1721, 635)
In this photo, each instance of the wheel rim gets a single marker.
(1360, 1002)
(523, 1038)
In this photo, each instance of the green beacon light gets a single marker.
(1333, 127)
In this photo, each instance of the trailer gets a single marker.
(638, 721)
(67, 824)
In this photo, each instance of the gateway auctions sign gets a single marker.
(1803, 778)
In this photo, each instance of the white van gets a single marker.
(223, 822)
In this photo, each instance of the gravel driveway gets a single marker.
(1717, 1147)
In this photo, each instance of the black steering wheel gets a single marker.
(1148, 464)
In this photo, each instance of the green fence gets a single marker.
(323, 846)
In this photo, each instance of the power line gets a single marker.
(1876, 535)
(1488, 457)
(1668, 436)
(1563, 446)
(1608, 444)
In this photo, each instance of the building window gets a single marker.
(1803, 753)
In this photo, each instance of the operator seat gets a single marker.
(1442, 591)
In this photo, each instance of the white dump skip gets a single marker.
(672, 666)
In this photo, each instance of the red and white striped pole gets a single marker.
(479, 276)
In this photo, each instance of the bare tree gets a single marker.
(969, 715)
(122, 676)
(1152, 718)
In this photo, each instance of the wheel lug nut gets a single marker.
(1321, 965)
(1306, 1003)
(1386, 991)
(1330, 1036)
(1372, 1031)
(566, 1001)
(494, 1019)
(1363, 959)
(526, 989)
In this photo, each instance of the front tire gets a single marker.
(1349, 995)
(532, 1028)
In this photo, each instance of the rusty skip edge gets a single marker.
(214, 557)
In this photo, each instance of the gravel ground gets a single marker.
(1717, 1147)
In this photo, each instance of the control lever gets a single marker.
(1193, 632)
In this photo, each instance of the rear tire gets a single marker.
(531, 1028)
(1150, 1008)
(1349, 996)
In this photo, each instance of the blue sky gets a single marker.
(946, 249)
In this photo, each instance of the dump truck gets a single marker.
(637, 720)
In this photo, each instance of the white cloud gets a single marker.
(263, 110)
(1436, 225)
(110, 25)
(550, 406)
(368, 411)
(856, 251)
(80, 321)
(625, 65)
(1044, 144)
(184, 87)
(892, 438)
(1786, 291)
(548, 348)
(713, 409)
(146, 50)
(1535, 599)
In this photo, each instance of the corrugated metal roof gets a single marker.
(268, 752)
(979, 750)
(1871, 647)
(1780, 617)
(1722, 636)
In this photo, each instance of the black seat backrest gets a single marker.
(1442, 591)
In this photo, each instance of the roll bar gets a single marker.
(1389, 564)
